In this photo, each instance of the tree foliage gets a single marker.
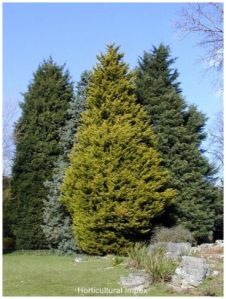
(218, 232)
(115, 184)
(7, 231)
(44, 111)
(180, 132)
(56, 219)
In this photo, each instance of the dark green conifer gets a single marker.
(44, 112)
(218, 233)
(56, 219)
(180, 131)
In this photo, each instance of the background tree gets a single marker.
(216, 143)
(44, 112)
(8, 237)
(115, 184)
(206, 21)
(56, 219)
(180, 131)
(218, 233)
(9, 114)
(216, 151)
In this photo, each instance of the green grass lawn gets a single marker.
(49, 275)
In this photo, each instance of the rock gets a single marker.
(219, 242)
(152, 247)
(215, 273)
(210, 251)
(173, 250)
(78, 259)
(137, 282)
(206, 245)
(191, 272)
(176, 250)
(195, 249)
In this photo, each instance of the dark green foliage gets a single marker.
(57, 221)
(6, 213)
(8, 237)
(218, 233)
(115, 184)
(5, 184)
(180, 131)
(44, 112)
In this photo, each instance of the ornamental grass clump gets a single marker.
(152, 261)
(137, 255)
(160, 267)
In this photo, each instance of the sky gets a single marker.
(74, 33)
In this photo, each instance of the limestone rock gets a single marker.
(136, 281)
(215, 273)
(176, 250)
(191, 272)
(219, 242)
(173, 250)
(206, 245)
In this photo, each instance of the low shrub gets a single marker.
(8, 244)
(154, 262)
(174, 234)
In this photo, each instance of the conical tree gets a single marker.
(56, 219)
(44, 112)
(115, 184)
(180, 130)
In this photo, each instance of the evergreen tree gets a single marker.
(44, 112)
(180, 131)
(8, 237)
(7, 231)
(115, 184)
(218, 232)
(56, 219)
